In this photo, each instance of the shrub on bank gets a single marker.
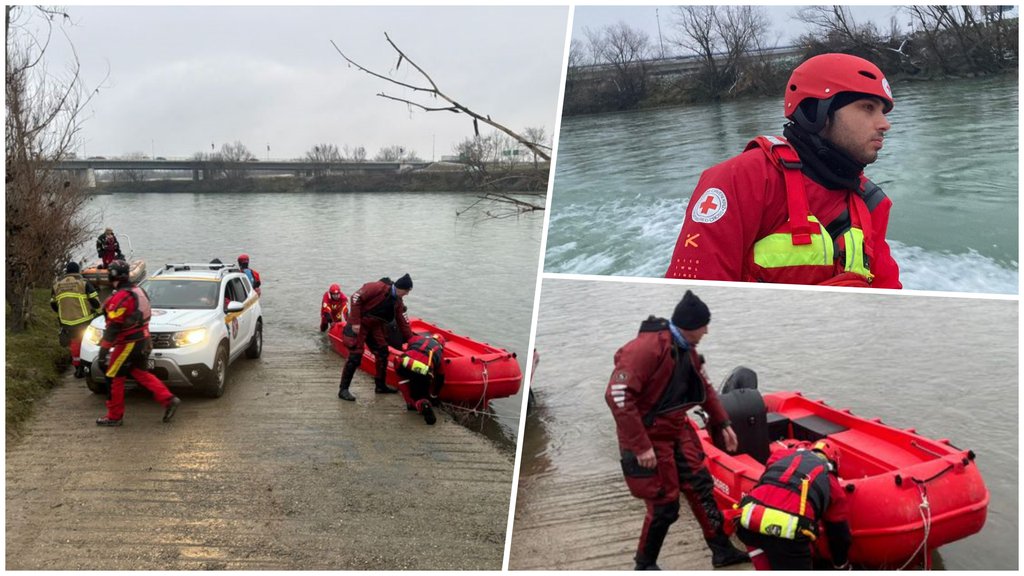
(35, 360)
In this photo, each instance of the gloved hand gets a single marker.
(104, 357)
(323, 326)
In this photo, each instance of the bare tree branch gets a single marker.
(435, 91)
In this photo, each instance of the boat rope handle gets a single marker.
(926, 521)
(923, 449)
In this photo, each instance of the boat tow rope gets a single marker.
(926, 521)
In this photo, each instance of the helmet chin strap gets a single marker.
(820, 115)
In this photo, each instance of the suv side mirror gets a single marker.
(234, 306)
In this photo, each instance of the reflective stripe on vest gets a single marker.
(72, 301)
(419, 356)
(797, 243)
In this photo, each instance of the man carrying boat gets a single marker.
(76, 302)
(108, 248)
(422, 369)
(798, 209)
(333, 307)
(371, 309)
(779, 519)
(658, 376)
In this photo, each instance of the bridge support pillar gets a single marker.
(195, 174)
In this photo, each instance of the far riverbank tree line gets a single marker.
(480, 156)
(611, 68)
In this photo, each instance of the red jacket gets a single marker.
(743, 200)
(643, 370)
(369, 297)
(334, 309)
(127, 312)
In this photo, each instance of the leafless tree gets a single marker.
(44, 112)
(233, 154)
(322, 155)
(723, 37)
(626, 50)
(356, 154)
(396, 153)
(432, 90)
(537, 135)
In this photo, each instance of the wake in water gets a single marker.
(627, 237)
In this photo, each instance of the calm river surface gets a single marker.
(472, 275)
(946, 366)
(949, 164)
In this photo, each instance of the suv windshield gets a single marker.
(186, 294)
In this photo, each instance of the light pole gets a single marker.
(660, 41)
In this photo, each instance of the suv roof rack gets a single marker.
(179, 267)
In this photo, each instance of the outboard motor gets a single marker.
(741, 378)
(749, 417)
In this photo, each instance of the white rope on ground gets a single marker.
(926, 519)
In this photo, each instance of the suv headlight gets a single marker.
(93, 334)
(189, 337)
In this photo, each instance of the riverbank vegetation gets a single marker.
(44, 220)
(723, 52)
(34, 361)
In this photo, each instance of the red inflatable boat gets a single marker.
(475, 372)
(908, 494)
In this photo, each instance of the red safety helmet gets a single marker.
(243, 259)
(824, 76)
(334, 291)
(826, 449)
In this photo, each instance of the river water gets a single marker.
(471, 274)
(950, 165)
(946, 366)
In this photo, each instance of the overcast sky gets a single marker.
(183, 78)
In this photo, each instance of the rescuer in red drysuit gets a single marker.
(658, 376)
(799, 209)
(254, 276)
(108, 248)
(371, 309)
(126, 345)
(333, 307)
(422, 368)
(780, 518)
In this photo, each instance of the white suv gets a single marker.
(204, 317)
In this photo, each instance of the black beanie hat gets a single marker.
(691, 313)
(404, 283)
(72, 268)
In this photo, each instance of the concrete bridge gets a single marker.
(677, 65)
(204, 169)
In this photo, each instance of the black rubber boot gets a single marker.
(171, 408)
(79, 371)
(346, 379)
(723, 553)
(428, 413)
(643, 564)
(107, 422)
(381, 388)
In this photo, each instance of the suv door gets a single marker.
(239, 324)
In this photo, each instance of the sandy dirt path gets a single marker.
(277, 474)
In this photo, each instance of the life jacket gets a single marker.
(422, 355)
(803, 473)
(73, 306)
(804, 250)
(135, 326)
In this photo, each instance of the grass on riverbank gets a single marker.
(35, 360)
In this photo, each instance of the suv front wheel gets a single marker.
(214, 387)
